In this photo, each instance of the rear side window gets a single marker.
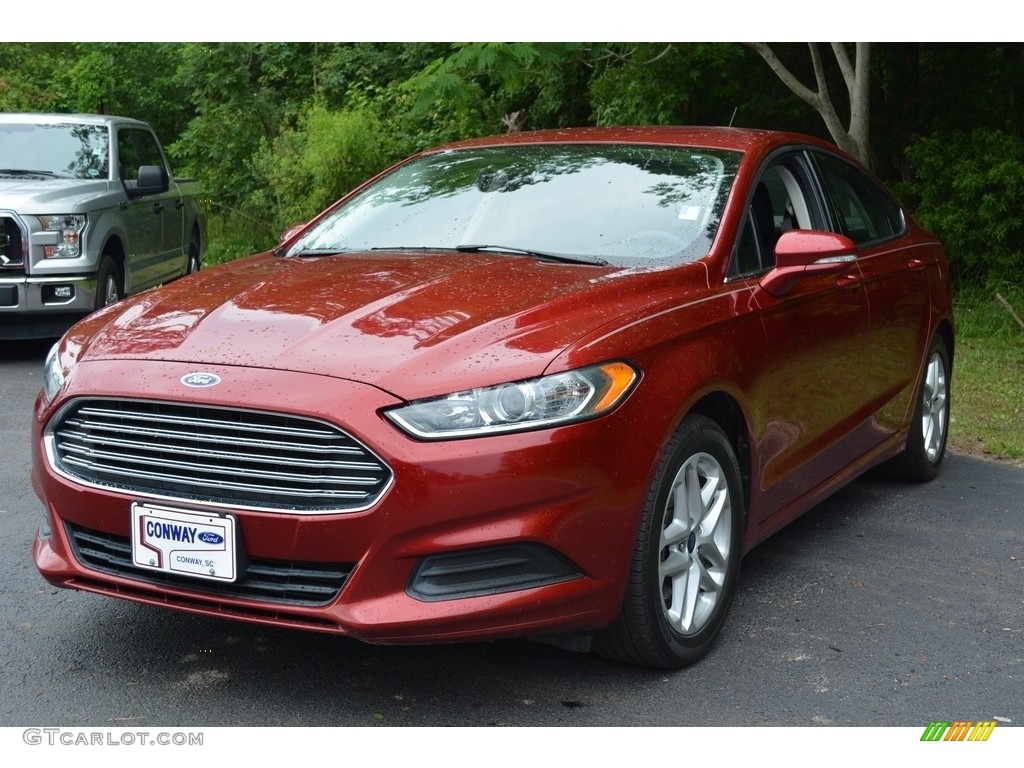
(863, 210)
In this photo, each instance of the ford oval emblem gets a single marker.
(209, 537)
(200, 379)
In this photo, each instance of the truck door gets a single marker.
(154, 220)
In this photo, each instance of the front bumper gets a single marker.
(510, 535)
(43, 307)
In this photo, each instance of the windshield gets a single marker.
(624, 205)
(61, 149)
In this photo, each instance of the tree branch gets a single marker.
(854, 138)
(790, 80)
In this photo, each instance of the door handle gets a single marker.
(158, 208)
(849, 280)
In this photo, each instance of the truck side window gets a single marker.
(136, 148)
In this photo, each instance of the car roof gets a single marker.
(711, 137)
(61, 117)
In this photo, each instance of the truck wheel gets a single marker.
(108, 283)
(193, 257)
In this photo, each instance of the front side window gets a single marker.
(135, 148)
(624, 205)
(781, 200)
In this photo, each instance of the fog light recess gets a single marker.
(489, 571)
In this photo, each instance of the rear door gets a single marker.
(896, 282)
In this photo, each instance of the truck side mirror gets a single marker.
(152, 180)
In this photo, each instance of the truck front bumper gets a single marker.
(40, 307)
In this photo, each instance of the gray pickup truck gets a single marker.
(89, 213)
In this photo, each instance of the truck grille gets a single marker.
(245, 459)
(269, 580)
(12, 255)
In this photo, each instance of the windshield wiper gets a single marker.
(405, 248)
(592, 261)
(314, 252)
(24, 172)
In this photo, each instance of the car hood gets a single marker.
(412, 324)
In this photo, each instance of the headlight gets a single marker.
(53, 375)
(560, 398)
(70, 227)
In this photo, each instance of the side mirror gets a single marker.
(152, 180)
(803, 253)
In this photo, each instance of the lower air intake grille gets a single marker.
(248, 459)
(276, 581)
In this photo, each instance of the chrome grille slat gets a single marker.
(154, 448)
(123, 426)
(233, 457)
(210, 483)
(208, 423)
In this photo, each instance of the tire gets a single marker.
(192, 265)
(686, 559)
(109, 288)
(929, 427)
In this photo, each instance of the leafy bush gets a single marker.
(310, 166)
(969, 190)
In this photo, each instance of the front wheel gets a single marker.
(686, 559)
(108, 283)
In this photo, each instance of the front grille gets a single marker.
(11, 245)
(274, 581)
(245, 459)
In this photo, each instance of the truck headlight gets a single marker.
(70, 227)
(553, 400)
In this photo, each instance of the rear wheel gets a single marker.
(109, 288)
(687, 554)
(926, 441)
(193, 258)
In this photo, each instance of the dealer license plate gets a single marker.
(184, 542)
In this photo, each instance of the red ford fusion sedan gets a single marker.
(549, 384)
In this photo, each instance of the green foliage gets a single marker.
(673, 84)
(477, 83)
(988, 390)
(991, 312)
(969, 190)
(29, 77)
(326, 155)
(131, 79)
